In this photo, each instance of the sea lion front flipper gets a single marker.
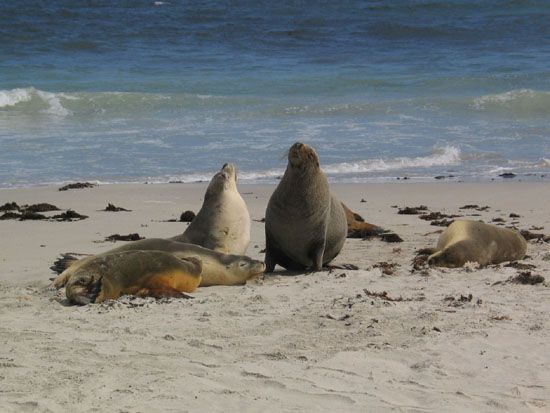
(317, 251)
(426, 251)
(61, 280)
(270, 255)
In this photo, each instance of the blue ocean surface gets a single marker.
(158, 91)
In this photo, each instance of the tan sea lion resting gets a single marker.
(473, 241)
(217, 268)
(358, 227)
(223, 222)
(305, 225)
(142, 273)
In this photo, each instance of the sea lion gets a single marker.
(223, 222)
(142, 273)
(474, 241)
(217, 268)
(358, 227)
(305, 225)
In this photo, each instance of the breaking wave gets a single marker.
(448, 155)
(34, 100)
(30, 101)
(521, 101)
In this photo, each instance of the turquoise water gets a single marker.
(133, 91)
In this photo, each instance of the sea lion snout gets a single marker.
(83, 288)
(258, 267)
(230, 170)
(301, 154)
(435, 259)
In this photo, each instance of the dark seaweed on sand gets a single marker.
(412, 210)
(42, 207)
(129, 237)
(77, 185)
(111, 208)
(187, 216)
(9, 206)
(528, 235)
(33, 216)
(69, 215)
(9, 215)
(527, 278)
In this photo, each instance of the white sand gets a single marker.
(313, 342)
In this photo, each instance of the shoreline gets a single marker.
(460, 339)
(541, 176)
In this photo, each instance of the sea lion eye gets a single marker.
(243, 264)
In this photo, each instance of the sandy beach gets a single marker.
(440, 340)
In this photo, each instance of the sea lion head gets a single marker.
(302, 156)
(438, 259)
(224, 180)
(83, 287)
(246, 267)
(454, 256)
(231, 170)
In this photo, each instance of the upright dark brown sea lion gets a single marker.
(223, 222)
(305, 225)
(142, 273)
(472, 241)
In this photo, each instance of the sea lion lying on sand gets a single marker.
(305, 225)
(358, 227)
(472, 241)
(223, 222)
(142, 273)
(217, 268)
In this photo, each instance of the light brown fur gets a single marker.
(143, 273)
(223, 222)
(217, 268)
(472, 241)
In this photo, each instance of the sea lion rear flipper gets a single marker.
(63, 262)
(162, 292)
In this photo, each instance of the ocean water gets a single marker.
(158, 91)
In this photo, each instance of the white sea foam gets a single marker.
(448, 155)
(14, 97)
(53, 100)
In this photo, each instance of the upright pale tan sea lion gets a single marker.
(217, 268)
(142, 273)
(305, 225)
(472, 241)
(223, 222)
